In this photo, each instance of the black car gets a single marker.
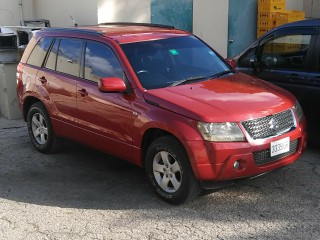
(288, 56)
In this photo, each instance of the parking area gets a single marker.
(84, 194)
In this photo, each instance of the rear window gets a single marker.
(39, 52)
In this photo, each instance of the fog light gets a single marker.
(236, 165)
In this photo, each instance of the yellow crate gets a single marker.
(293, 15)
(266, 16)
(266, 24)
(268, 48)
(271, 7)
(280, 21)
(262, 30)
(286, 47)
(271, 1)
(281, 48)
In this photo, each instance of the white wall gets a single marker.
(10, 11)
(124, 11)
(294, 5)
(58, 11)
(312, 8)
(210, 23)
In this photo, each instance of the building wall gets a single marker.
(312, 8)
(210, 23)
(59, 11)
(294, 5)
(10, 11)
(124, 11)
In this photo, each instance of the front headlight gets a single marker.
(221, 132)
(298, 111)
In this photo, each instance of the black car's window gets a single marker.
(100, 62)
(285, 52)
(68, 59)
(247, 57)
(39, 52)
(166, 62)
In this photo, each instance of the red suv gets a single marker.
(160, 98)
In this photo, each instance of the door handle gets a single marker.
(83, 92)
(42, 79)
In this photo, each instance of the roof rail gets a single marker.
(138, 24)
(75, 30)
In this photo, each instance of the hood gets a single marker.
(235, 98)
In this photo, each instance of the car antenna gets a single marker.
(74, 21)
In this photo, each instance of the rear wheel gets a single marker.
(40, 130)
(169, 172)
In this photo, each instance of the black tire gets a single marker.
(169, 171)
(40, 130)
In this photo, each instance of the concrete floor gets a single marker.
(83, 194)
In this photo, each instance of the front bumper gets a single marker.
(212, 161)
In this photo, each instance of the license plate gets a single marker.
(280, 146)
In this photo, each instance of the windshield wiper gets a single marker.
(187, 80)
(197, 78)
(220, 74)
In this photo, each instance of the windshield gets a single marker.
(173, 61)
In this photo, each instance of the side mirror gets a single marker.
(253, 62)
(232, 62)
(111, 84)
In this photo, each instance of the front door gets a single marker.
(106, 118)
(242, 22)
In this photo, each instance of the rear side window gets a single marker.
(68, 60)
(65, 56)
(39, 52)
(100, 62)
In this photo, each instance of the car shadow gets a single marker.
(82, 178)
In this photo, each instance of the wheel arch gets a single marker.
(27, 104)
(150, 135)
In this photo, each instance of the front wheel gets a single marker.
(40, 130)
(169, 172)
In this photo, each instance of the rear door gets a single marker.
(58, 79)
(34, 62)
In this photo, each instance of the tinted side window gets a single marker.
(247, 57)
(68, 59)
(285, 52)
(39, 52)
(52, 58)
(100, 62)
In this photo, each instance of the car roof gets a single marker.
(124, 32)
(303, 23)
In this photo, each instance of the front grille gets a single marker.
(271, 125)
(263, 157)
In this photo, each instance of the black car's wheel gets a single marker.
(169, 172)
(40, 130)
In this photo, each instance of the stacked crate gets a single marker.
(273, 13)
